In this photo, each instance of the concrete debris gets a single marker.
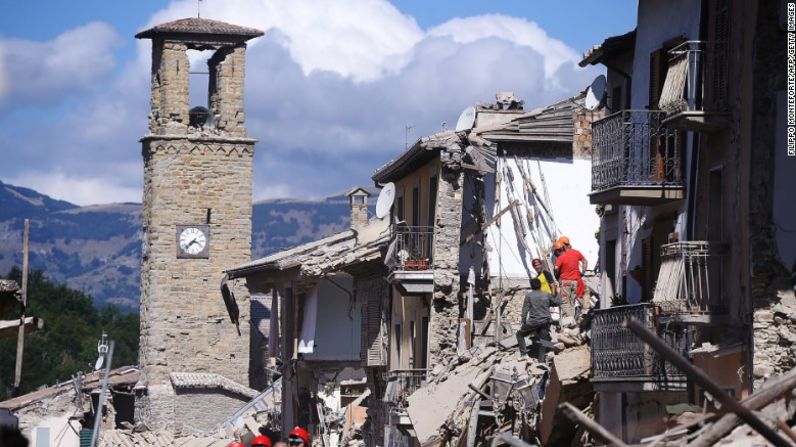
(494, 391)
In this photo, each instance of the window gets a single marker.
(415, 206)
(432, 200)
(400, 208)
(616, 99)
(397, 340)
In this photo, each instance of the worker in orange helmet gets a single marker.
(300, 437)
(568, 271)
(261, 441)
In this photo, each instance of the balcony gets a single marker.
(622, 362)
(409, 258)
(688, 289)
(401, 383)
(695, 91)
(635, 160)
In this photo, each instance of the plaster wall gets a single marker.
(568, 184)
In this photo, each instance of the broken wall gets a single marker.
(445, 306)
(772, 291)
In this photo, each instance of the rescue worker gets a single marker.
(236, 444)
(300, 437)
(584, 266)
(261, 441)
(546, 278)
(536, 319)
(568, 264)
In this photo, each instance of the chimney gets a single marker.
(358, 198)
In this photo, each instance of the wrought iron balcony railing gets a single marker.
(412, 248)
(697, 78)
(690, 278)
(631, 148)
(401, 383)
(618, 355)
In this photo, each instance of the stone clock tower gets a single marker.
(197, 210)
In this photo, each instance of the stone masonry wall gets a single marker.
(444, 319)
(581, 138)
(170, 87)
(184, 324)
(774, 326)
(202, 411)
(227, 70)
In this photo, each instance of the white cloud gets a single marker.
(44, 72)
(77, 189)
(362, 39)
(512, 29)
(329, 90)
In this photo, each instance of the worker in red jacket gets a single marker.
(568, 271)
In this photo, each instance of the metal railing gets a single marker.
(633, 148)
(689, 280)
(401, 383)
(413, 247)
(705, 76)
(618, 354)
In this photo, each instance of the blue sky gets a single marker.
(332, 84)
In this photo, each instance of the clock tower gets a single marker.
(197, 209)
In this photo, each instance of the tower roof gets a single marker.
(194, 26)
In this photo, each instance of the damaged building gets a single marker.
(402, 299)
(692, 180)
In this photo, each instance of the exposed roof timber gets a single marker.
(421, 152)
(610, 47)
(551, 123)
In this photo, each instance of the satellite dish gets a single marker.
(99, 362)
(384, 202)
(466, 119)
(595, 94)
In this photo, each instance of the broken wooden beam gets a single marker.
(591, 426)
(772, 390)
(10, 328)
(705, 382)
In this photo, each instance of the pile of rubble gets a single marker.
(493, 391)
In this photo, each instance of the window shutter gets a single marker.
(655, 85)
(718, 53)
(373, 292)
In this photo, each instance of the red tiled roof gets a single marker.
(195, 25)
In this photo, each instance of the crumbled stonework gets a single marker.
(444, 320)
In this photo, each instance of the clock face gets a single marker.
(192, 241)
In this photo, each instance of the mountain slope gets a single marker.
(97, 249)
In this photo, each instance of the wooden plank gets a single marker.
(21, 333)
(592, 427)
(11, 327)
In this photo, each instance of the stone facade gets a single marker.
(201, 411)
(444, 319)
(773, 301)
(193, 176)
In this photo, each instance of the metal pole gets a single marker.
(591, 426)
(21, 334)
(101, 404)
(705, 382)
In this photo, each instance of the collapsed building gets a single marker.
(416, 294)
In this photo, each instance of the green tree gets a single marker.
(68, 342)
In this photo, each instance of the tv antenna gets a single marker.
(198, 9)
(102, 349)
(407, 128)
